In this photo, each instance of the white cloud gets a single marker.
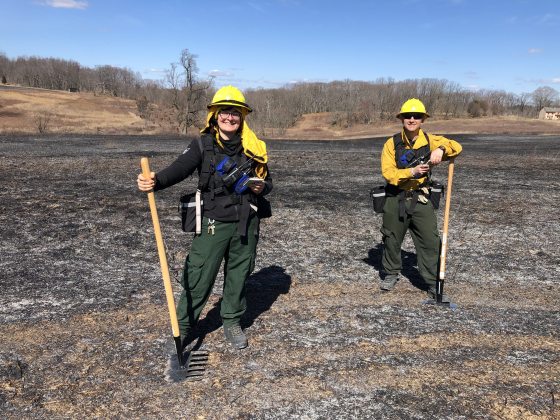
(256, 6)
(307, 80)
(535, 50)
(472, 75)
(220, 73)
(154, 71)
(548, 19)
(65, 4)
(289, 3)
(539, 82)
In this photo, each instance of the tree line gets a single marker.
(185, 94)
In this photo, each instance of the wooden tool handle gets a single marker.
(161, 251)
(443, 253)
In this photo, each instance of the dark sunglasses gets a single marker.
(415, 115)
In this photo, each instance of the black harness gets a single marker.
(403, 157)
(212, 187)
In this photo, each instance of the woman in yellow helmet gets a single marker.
(406, 162)
(233, 177)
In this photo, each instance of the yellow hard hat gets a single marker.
(413, 105)
(229, 95)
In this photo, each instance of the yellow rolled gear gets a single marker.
(413, 105)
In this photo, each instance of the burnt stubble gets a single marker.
(84, 328)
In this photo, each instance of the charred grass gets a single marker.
(84, 329)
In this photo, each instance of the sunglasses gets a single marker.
(415, 115)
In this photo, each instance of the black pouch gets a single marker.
(187, 208)
(436, 192)
(378, 197)
(264, 210)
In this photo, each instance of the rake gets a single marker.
(191, 366)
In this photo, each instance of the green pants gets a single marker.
(202, 265)
(423, 229)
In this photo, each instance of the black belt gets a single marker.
(410, 194)
(394, 191)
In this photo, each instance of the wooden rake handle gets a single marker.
(443, 253)
(161, 251)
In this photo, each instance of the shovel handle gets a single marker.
(443, 253)
(161, 251)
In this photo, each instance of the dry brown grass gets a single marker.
(319, 126)
(23, 110)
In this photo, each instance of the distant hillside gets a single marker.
(30, 110)
(319, 126)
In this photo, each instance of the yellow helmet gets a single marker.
(229, 95)
(413, 105)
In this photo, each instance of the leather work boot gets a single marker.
(235, 335)
(432, 294)
(389, 281)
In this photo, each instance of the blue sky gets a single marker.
(510, 45)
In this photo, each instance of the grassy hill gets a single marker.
(318, 126)
(30, 110)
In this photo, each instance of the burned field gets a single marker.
(84, 328)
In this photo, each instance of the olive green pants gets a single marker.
(202, 266)
(423, 229)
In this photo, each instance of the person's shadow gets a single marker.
(409, 264)
(261, 291)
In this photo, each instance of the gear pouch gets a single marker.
(378, 198)
(264, 208)
(191, 213)
(436, 192)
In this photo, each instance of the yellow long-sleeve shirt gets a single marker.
(403, 177)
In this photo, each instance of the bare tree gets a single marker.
(42, 121)
(4, 67)
(544, 96)
(478, 108)
(188, 93)
(522, 105)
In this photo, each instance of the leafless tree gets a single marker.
(521, 104)
(188, 93)
(42, 121)
(478, 108)
(544, 96)
(4, 67)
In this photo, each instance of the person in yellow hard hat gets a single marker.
(406, 162)
(233, 178)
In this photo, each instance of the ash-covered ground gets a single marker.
(84, 327)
